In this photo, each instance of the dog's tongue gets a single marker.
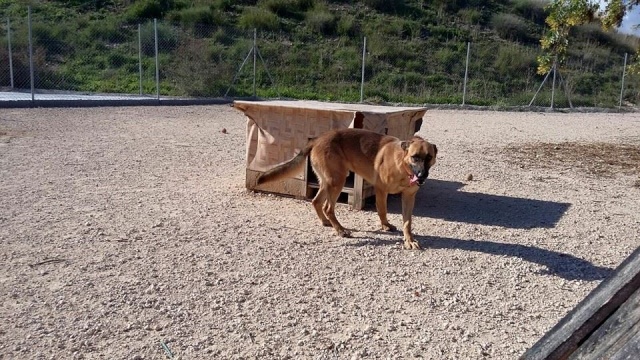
(413, 179)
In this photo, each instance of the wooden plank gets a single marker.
(356, 200)
(614, 333)
(631, 349)
(565, 337)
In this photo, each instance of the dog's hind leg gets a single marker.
(333, 189)
(325, 200)
(318, 201)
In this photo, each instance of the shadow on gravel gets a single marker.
(558, 264)
(443, 200)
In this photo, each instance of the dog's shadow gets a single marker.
(556, 263)
(566, 266)
(440, 199)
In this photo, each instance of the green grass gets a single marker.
(312, 49)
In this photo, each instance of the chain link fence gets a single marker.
(160, 59)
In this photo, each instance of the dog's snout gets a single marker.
(422, 176)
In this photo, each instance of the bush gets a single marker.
(514, 61)
(385, 5)
(167, 38)
(445, 57)
(321, 22)
(108, 31)
(224, 5)
(442, 33)
(50, 38)
(149, 9)
(345, 64)
(615, 41)
(586, 84)
(287, 8)
(347, 26)
(201, 15)
(117, 60)
(511, 27)
(258, 18)
(470, 16)
(532, 10)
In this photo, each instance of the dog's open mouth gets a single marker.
(413, 180)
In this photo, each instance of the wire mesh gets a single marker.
(196, 60)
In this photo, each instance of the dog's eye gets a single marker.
(416, 158)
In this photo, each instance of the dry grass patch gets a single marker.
(597, 159)
(7, 134)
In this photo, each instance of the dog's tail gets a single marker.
(285, 169)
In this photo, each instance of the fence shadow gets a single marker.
(558, 264)
(442, 200)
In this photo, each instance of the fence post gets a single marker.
(155, 31)
(255, 35)
(10, 55)
(364, 56)
(553, 86)
(31, 76)
(466, 73)
(624, 68)
(140, 56)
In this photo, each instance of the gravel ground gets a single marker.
(127, 233)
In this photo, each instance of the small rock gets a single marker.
(224, 130)
(470, 177)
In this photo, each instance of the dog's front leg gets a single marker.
(381, 206)
(408, 200)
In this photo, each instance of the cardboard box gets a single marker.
(278, 130)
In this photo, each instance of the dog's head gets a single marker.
(419, 156)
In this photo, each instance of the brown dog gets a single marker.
(392, 166)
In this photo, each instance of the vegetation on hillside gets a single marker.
(416, 50)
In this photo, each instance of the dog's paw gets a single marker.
(344, 233)
(389, 227)
(411, 245)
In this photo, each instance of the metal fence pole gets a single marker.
(255, 35)
(31, 76)
(140, 56)
(553, 86)
(155, 31)
(466, 74)
(364, 56)
(539, 88)
(10, 55)
(624, 68)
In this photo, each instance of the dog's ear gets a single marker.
(405, 145)
(435, 149)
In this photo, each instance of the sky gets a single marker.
(630, 20)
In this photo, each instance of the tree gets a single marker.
(565, 14)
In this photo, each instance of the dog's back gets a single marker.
(339, 151)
